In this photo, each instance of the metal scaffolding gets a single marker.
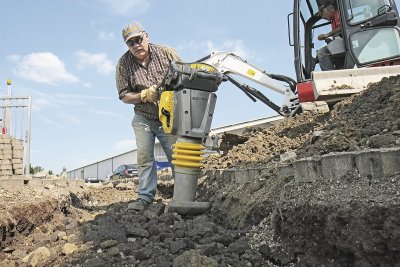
(16, 121)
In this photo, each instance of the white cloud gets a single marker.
(206, 47)
(107, 36)
(96, 61)
(125, 145)
(127, 7)
(43, 68)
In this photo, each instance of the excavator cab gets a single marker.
(369, 49)
(370, 35)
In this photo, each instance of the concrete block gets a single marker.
(285, 170)
(307, 170)
(253, 173)
(5, 167)
(17, 166)
(242, 176)
(5, 161)
(337, 165)
(390, 161)
(16, 161)
(17, 154)
(7, 150)
(5, 140)
(5, 156)
(5, 146)
(228, 176)
(19, 171)
(5, 172)
(216, 174)
(369, 163)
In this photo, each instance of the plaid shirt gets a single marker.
(131, 76)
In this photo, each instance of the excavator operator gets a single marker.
(329, 11)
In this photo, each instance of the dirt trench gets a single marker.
(269, 221)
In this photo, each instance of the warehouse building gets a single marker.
(101, 169)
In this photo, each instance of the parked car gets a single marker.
(125, 171)
(91, 179)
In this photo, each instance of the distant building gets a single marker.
(101, 169)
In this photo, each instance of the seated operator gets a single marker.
(330, 12)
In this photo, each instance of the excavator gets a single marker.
(366, 50)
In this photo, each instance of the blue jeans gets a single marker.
(146, 131)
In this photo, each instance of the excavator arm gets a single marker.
(229, 63)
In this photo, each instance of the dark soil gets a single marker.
(351, 221)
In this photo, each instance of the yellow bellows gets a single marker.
(187, 155)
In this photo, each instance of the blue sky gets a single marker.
(63, 53)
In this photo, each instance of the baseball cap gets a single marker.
(132, 30)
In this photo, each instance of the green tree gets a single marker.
(36, 169)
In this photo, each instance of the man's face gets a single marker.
(327, 14)
(139, 46)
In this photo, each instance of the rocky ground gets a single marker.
(270, 221)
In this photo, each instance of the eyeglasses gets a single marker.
(137, 40)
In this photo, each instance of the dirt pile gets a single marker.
(367, 120)
(352, 221)
(38, 220)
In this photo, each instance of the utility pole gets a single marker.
(7, 111)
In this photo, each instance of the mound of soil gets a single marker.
(352, 221)
(367, 120)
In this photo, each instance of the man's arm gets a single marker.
(131, 98)
(330, 34)
(147, 95)
(123, 87)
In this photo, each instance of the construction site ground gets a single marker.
(314, 190)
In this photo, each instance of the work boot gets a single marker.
(138, 205)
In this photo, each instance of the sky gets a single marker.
(63, 54)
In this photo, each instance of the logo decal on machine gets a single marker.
(251, 72)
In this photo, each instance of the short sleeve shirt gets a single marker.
(131, 76)
(336, 20)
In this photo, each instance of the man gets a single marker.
(138, 72)
(330, 12)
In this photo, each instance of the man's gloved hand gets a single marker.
(149, 95)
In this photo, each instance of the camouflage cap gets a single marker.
(132, 30)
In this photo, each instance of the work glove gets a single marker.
(149, 95)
